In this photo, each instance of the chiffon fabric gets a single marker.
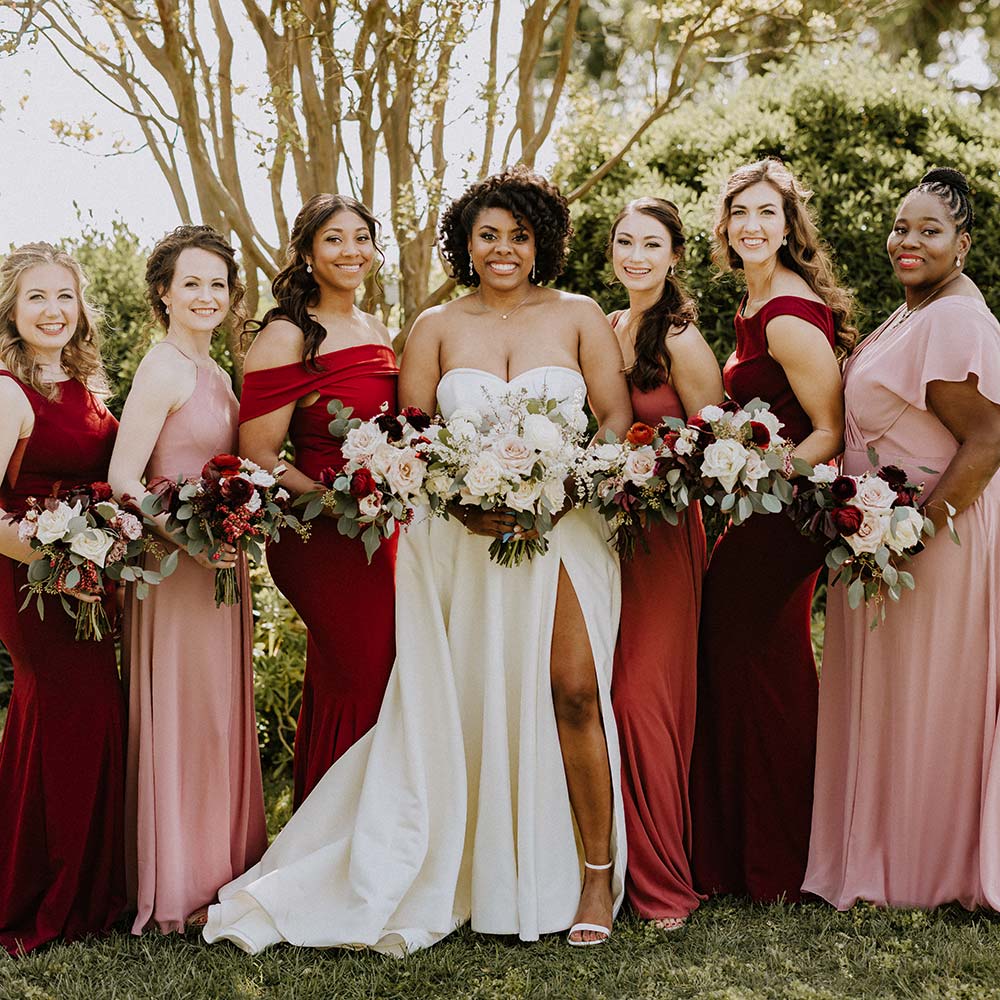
(328, 579)
(755, 739)
(195, 801)
(455, 806)
(62, 763)
(907, 804)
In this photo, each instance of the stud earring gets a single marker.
(784, 241)
(309, 269)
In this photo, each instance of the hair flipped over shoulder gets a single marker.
(531, 199)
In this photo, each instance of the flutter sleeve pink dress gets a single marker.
(907, 797)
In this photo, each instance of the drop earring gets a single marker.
(472, 271)
(670, 270)
(309, 269)
(958, 262)
(784, 241)
(532, 270)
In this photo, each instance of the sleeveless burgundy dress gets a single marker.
(755, 740)
(347, 605)
(62, 765)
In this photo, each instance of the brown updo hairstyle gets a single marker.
(162, 263)
(671, 312)
(805, 253)
(294, 288)
(81, 357)
(531, 199)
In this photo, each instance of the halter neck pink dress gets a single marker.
(195, 801)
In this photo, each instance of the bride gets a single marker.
(489, 788)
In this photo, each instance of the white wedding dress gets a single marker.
(455, 806)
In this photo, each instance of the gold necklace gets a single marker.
(906, 312)
(496, 312)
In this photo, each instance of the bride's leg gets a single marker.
(576, 700)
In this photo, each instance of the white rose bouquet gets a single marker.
(88, 543)
(382, 479)
(518, 457)
(869, 524)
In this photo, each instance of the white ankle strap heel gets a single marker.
(597, 928)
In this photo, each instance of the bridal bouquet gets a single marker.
(382, 478)
(519, 457)
(869, 525)
(233, 501)
(641, 477)
(86, 541)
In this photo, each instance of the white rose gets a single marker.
(606, 454)
(361, 442)
(129, 525)
(281, 495)
(905, 533)
(577, 419)
(461, 429)
(824, 474)
(92, 544)
(639, 465)
(26, 530)
(484, 476)
(541, 434)
(514, 454)
(384, 458)
(52, 524)
(607, 488)
(262, 478)
(755, 470)
(723, 461)
(711, 413)
(554, 490)
(467, 413)
(370, 505)
(869, 537)
(253, 504)
(683, 445)
(407, 474)
(438, 484)
(737, 419)
(874, 494)
(524, 495)
(769, 420)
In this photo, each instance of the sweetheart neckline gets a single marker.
(511, 381)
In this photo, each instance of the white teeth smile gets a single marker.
(752, 242)
(638, 271)
(349, 267)
(204, 312)
(503, 268)
(52, 327)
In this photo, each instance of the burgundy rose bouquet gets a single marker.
(88, 543)
(233, 501)
(869, 524)
(382, 479)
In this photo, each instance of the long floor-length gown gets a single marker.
(907, 803)
(755, 737)
(62, 761)
(653, 693)
(328, 579)
(455, 806)
(195, 801)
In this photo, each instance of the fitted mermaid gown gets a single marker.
(455, 806)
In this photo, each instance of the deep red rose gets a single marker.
(700, 424)
(221, 466)
(894, 476)
(640, 434)
(362, 484)
(730, 406)
(904, 498)
(843, 488)
(761, 435)
(670, 439)
(236, 490)
(389, 426)
(101, 492)
(416, 418)
(846, 520)
(328, 477)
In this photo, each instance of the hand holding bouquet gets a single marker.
(233, 502)
(86, 540)
(382, 478)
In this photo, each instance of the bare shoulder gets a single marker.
(789, 283)
(164, 361)
(278, 343)
(378, 328)
(579, 306)
(13, 397)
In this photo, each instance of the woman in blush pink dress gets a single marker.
(907, 803)
(194, 802)
(671, 372)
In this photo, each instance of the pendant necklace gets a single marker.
(496, 312)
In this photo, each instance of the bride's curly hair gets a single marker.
(531, 199)
(81, 357)
(805, 253)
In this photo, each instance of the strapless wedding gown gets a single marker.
(455, 806)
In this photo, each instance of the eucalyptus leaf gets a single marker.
(855, 593)
(744, 508)
(771, 503)
(169, 563)
(873, 456)
(728, 502)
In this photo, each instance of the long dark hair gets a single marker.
(671, 312)
(294, 288)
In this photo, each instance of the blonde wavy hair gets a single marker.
(81, 357)
(805, 254)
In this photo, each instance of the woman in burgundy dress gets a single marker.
(316, 345)
(755, 739)
(62, 755)
(671, 372)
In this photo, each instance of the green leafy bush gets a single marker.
(857, 129)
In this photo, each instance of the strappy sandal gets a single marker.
(599, 928)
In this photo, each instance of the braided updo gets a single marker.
(951, 187)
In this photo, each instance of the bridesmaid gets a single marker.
(907, 807)
(194, 800)
(62, 754)
(755, 740)
(316, 345)
(671, 372)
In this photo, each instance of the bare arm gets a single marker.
(974, 421)
(420, 369)
(601, 364)
(811, 367)
(17, 423)
(694, 370)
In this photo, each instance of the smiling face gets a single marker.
(198, 296)
(342, 251)
(756, 224)
(502, 249)
(47, 310)
(924, 242)
(642, 252)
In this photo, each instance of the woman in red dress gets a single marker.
(316, 345)
(671, 372)
(755, 738)
(62, 753)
